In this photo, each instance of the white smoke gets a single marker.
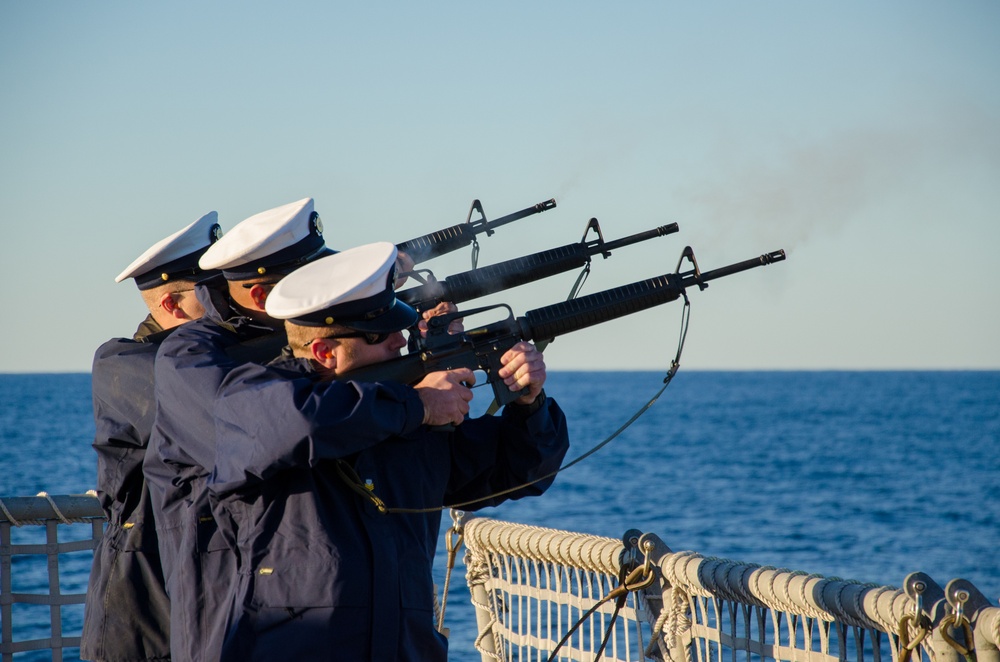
(816, 189)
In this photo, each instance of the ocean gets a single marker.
(858, 475)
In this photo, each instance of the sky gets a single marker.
(862, 138)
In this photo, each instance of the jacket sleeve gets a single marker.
(122, 388)
(507, 457)
(190, 365)
(268, 419)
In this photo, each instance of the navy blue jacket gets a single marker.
(198, 563)
(126, 616)
(322, 570)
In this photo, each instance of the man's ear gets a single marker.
(258, 293)
(170, 305)
(322, 353)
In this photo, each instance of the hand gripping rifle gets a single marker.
(481, 348)
(421, 249)
(480, 282)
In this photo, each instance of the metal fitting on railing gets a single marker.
(917, 620)
(971, 629)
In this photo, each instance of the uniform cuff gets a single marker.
(524, 411)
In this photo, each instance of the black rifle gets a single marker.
(421, 249)
(480, 282)
(481, 348)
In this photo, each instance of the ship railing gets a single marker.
(531, 585)
(32, 588)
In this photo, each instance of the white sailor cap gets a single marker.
(175, 257)
(274, 241)
(352, 288)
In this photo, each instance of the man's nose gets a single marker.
(397, 341)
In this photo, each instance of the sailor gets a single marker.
(195, 547)
(303, 459)
(126, 616)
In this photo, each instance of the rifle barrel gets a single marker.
(660, 231)
(549, 322)
(766, 258)
(518, 215)
(446, 240)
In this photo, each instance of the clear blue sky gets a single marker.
(864, 138)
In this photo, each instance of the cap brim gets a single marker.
(399, 316)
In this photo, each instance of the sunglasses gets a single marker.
(250, 286)
(371, 338)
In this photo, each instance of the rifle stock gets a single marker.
(482, 347)
(423, 248)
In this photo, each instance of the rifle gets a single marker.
(482, 347)
(480, 282)
(423, 248)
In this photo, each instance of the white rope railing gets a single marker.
(766, 612)
(703, 609)
(530, 585)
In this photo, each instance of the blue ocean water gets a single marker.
(858, 475)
